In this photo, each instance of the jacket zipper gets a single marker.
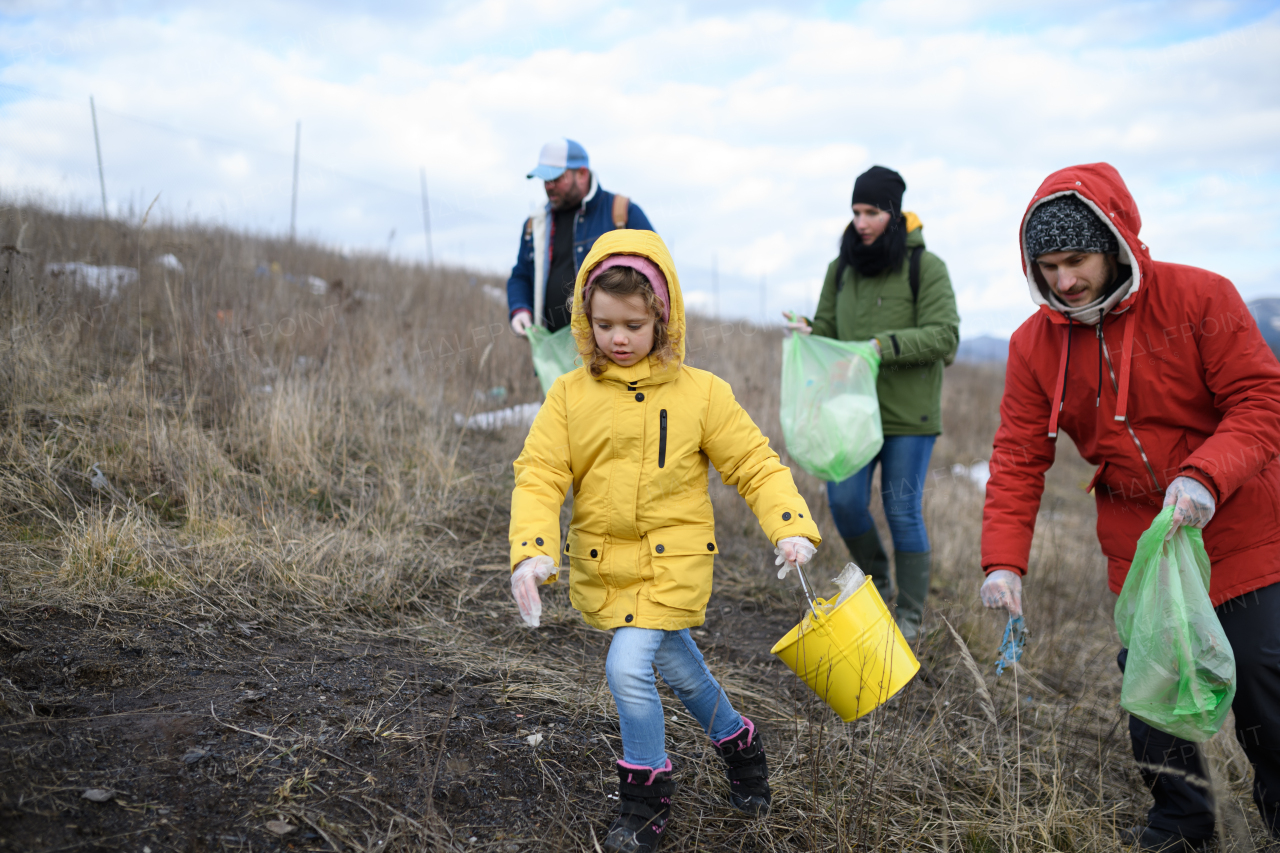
(662, 438)
(1106, 353)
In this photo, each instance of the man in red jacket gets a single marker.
(1159, 374)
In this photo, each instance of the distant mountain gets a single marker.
(985, 348)
(1266, 312)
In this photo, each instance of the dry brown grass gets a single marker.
(274, 453)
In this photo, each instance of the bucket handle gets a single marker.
(804, 584)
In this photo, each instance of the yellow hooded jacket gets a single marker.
(634, 444)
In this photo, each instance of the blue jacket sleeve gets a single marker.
(520, 284)
(636, 220)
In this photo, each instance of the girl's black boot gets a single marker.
(747, 769)
(644, 808)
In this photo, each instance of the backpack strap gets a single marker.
(621, 204)
(913, 274)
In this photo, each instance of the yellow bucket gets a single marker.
(854, 657)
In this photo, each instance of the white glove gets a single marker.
(1002, 590)
(796, 323)
(521, 321)
(1193, 503)
(528, 575)
(793, 551)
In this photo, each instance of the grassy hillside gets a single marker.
(253, 588)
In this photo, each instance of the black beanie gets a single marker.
(880, 187)
(1066, 223)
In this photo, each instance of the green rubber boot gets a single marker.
(913, 589)
(869, 554)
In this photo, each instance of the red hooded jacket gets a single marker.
(1173, 380)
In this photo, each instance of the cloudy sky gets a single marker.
(738, 126)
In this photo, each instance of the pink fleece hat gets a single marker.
(640, 264)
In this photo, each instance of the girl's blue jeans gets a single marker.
(904, 464)
(629, 668)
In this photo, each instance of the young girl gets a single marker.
(632, 431)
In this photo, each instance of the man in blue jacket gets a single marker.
(540, 290)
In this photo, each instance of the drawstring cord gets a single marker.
(1060, 390)
(1098, 402)
(1062, 399)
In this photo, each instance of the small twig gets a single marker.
(237, 728)
(398, 814)
(153, 684)
(343, 760)
(335, 845)
(47, 721)
(431, 803)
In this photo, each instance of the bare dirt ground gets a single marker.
(201, 736)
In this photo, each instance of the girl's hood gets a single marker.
(649, 245)
(1100, 186)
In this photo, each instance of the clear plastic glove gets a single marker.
(521, 321)
(796, 323)
(793, 551)
(1193, 503)
(529, 574)
(1002, 590)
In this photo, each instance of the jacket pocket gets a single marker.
(1097, 477)
(662, 438)
(587, 588)
(683, 559)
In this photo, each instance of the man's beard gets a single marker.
(568, 202)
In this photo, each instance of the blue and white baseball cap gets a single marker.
(558, 155)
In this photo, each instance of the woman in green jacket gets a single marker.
(885, 287)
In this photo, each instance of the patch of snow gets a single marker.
(170, 262)
(521, 416)
(978, 473)
(317, 285)
(497, 294)
(105, 280)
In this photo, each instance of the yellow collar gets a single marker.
(645, 372)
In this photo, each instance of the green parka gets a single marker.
(918, 337)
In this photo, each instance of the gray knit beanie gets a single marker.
(1066, 223)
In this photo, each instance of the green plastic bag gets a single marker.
(830, 414)
(554, 354)
(1181, 673)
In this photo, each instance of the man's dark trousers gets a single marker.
(1183, 801)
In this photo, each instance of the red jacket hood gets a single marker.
(1100, 186)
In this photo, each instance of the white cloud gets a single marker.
(739, 128)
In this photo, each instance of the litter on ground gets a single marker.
(1015, 637)
(105, 280)
(521, 416)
